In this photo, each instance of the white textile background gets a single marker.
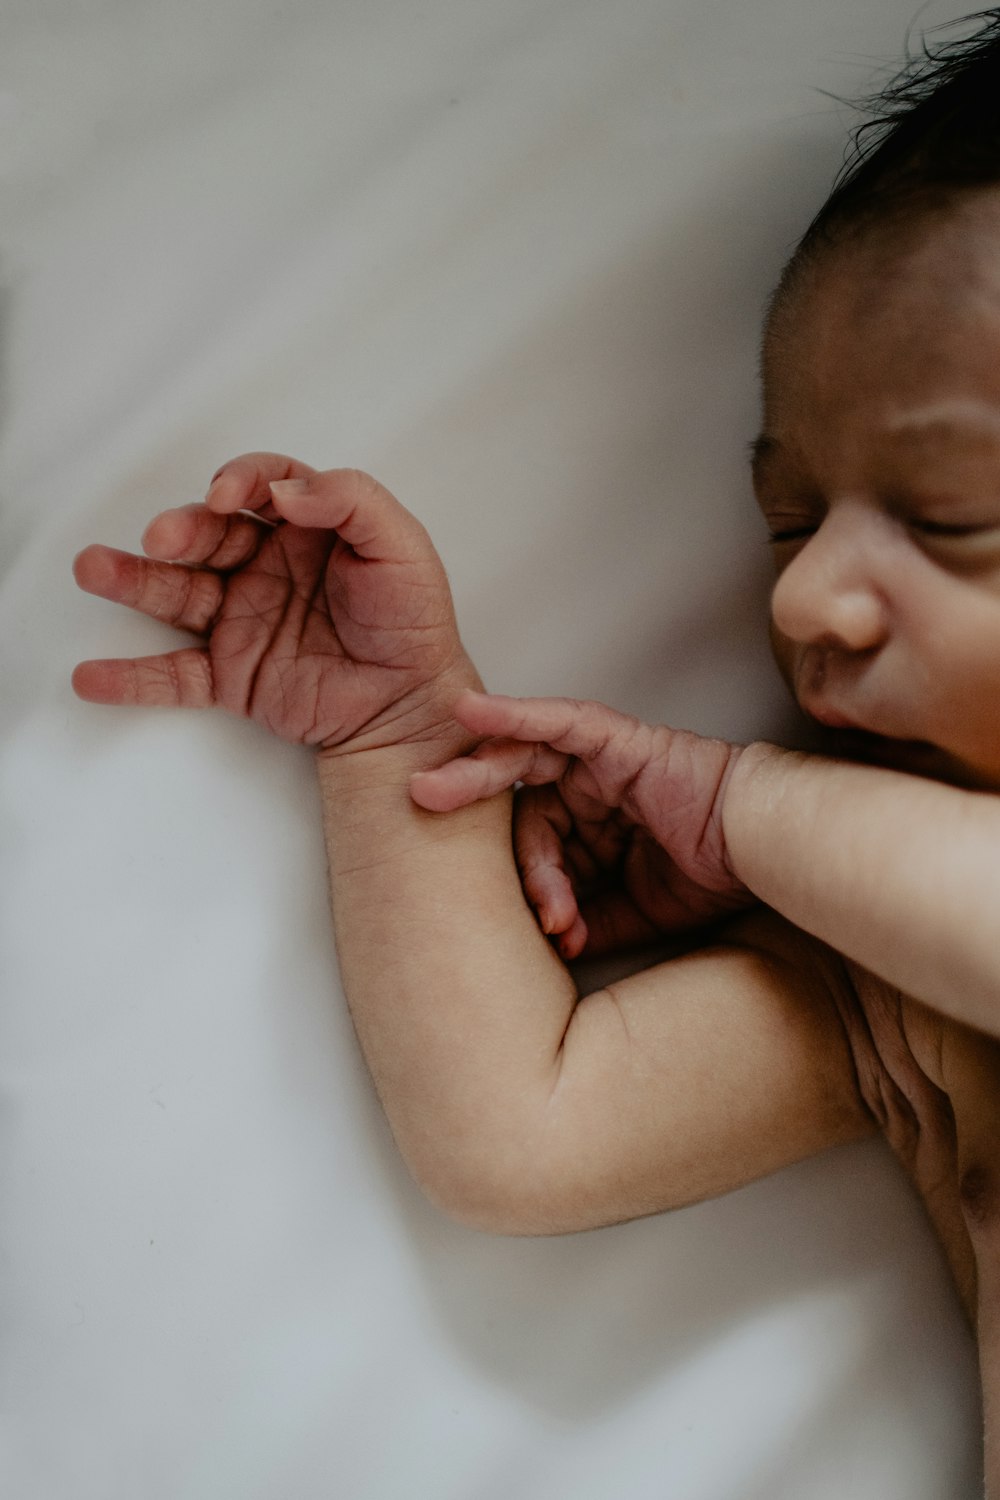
(511, 257)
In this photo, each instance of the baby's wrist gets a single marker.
(753, 784)
(418, 733)
(368, 811)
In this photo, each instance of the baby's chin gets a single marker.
(917, 757)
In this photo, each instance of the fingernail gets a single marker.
(288, 489)
(213, 488)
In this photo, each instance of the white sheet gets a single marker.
(511, 257)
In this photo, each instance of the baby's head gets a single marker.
(878, 467)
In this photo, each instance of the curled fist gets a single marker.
(618, 828)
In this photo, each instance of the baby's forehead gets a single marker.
(946, 252)
(887, 343)
(891, 311)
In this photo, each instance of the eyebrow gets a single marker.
(958, 414)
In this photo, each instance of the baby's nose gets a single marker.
(830, 593)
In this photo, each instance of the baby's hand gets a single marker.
(324, 610)
(618, 831)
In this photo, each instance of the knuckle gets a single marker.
(536, 767)
(170, 678)
(203, 596)
(239, 540)
(159, 593)
(365, 485)
(207, 534)
(192, 674)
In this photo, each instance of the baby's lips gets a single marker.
(830, 718)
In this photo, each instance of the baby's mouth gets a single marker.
(849, 739)
(831, 719)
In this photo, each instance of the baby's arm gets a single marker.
(897, 872)
(321, 611)
(520, 1109)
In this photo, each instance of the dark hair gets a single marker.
(932, 134)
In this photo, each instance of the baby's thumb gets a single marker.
(488, 770)
(358, 508)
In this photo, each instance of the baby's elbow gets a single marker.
(484, 1214)
(512, 1201)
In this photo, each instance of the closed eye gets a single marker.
(791, 534)
(947, 528)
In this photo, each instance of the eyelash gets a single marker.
(926, 528)
(942, 528)
(794, 534)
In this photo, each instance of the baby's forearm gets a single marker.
(899, 873)
(459, 1003)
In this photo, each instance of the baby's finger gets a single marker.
(488, 770)
(539, 849)
(195, 534)
(177, 679)
(572, 943)
(186, 597)
(359, 509)
(570, 725)
(243, 483)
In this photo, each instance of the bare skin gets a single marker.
(329, 629)
(638, 828)
(460, 1003)
(519, 1107)
(601, 786)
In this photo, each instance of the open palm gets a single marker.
(323, 608)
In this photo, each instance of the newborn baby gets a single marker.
(838, 964)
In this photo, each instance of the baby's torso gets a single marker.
(933, 1086)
